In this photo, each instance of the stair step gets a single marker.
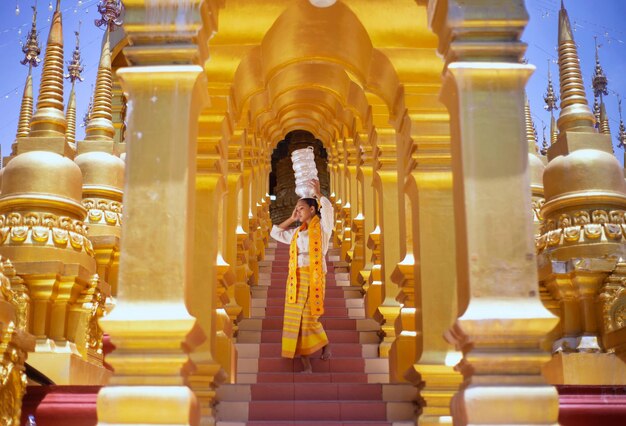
(331, 292)
(312, 378)
(273, 350)
(302, 391)
(329, 302)
(317, 410)
(329, 311)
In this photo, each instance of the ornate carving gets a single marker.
(20, 296)
(103, 212)
(14, 345)
(44, 229)
(95, 307)
(613, 300)
(582, 226)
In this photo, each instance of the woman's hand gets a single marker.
(294, 215)
(315, 185)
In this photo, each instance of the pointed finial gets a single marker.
(75, 66)
(49, 120)
(70, 116)
(550, 97)
(100, 125)
(31, 48)
(596, 111)
(544, 145)
(110, 10)
(87, 114)
(599, 82)
(575, 111)
(26, 109)
(604, 120)
(554, 131)
(531, 137)
(621, 136)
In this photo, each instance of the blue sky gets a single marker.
(600, 18)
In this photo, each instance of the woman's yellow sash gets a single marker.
(317, 276)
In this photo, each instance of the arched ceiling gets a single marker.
(286, 65)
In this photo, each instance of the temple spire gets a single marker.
(621, 136)
(531, 134)
(49, 120)
(604, 121)
(596, 111)
(575, 112)
(599, 82)
(31, 50)
(100, 125)
(551, 99)
(87, 114)
(110, 11)
(74, 68)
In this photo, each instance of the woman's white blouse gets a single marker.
(326, 222)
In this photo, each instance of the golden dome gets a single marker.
(42, 177)
(584, 170)
(101, 170)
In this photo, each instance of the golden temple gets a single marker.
(474, 279)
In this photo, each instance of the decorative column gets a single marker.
(365, 178)
(371, 275)
(386, 181)
(236, 253)
(427, 273)
(501, 329)
(359, 243)
(152, 327)
(214, 359)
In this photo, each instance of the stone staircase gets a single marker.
(349, 389)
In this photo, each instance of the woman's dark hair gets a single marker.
(312, 202)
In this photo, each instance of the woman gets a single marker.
(303, 334)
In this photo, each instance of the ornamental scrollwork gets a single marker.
(14, 344)
(95, 309)
(103, 212)
(44, 229)
(613, 300)
(580, 227)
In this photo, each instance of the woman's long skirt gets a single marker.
(303, 334)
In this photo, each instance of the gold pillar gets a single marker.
(427, 274)
(386, 181)
(236, 253)
(203, 296)
(151, 327)
(365, 178)
(501, 329)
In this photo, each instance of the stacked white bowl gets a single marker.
(305, 170)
